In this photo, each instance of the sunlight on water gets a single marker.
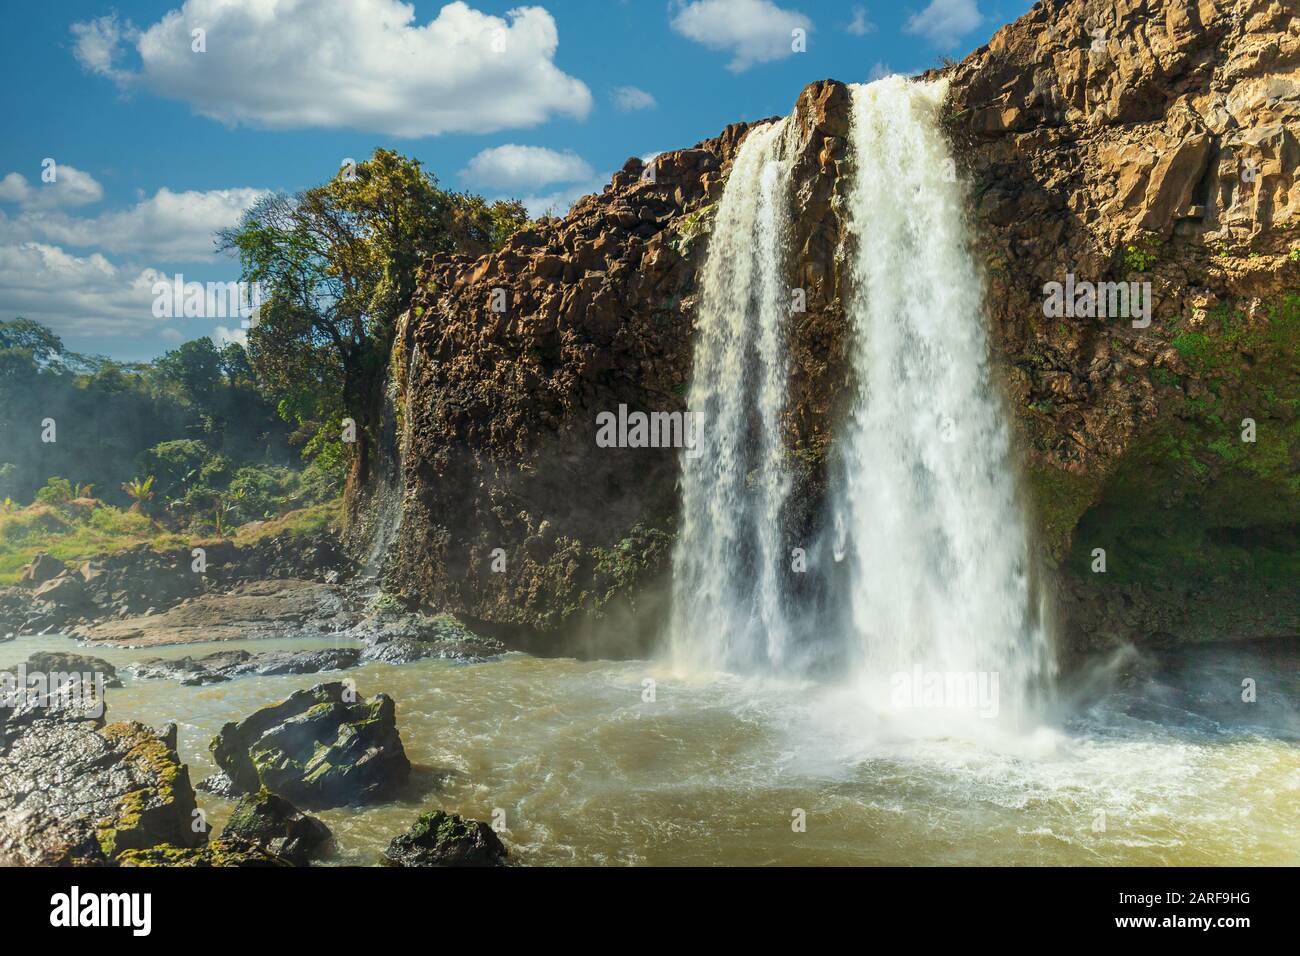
(710, 772)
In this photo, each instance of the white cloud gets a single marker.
(629, 98)
(71, 187)
(168, 226)
(524, 167)
(74, 295)
(860, 26)
(357, 64)
(222, 336)
(945, 22)
(753, 31)
(98, 43)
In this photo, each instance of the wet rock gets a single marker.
(31, 837)
(323, 747)
(222, 852)
(219, 784)
(31, 697)
(442, 839)
(224, 665)
(277, 826)
(297, 662)
(61, 662)
(189, 670)
(66, 783)
(410, 637)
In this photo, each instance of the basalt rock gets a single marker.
(513, 518)
(1146, 142)
(225, 665)
(78, 794)
(400, 639)
(323, 747)
(277, 826)
(43, 568)
(1150, 141)
(443, 839)
(62, 662)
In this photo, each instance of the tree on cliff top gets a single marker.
(338, 265)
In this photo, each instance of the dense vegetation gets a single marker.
(95, 452)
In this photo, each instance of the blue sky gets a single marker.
(156, 145)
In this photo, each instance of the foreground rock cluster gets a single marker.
(78, 791)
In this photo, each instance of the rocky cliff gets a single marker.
(1145, 141)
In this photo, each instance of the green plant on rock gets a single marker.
(1142, 253)
(139, 490)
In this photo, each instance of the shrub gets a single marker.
(57, 491)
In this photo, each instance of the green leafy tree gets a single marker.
(338, 264)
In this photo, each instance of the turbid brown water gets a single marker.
(1176, 771)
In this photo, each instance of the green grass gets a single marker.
(81, 530)
(72, 532)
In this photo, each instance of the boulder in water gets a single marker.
(443, 839)
(277, 826)
(223, 665)
(62, 662)
(323, 747)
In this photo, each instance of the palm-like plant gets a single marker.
(140, 490)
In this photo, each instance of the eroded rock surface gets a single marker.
(270, 608)
(323, 747)
(222, 666)
(75, 792)
(277, 826)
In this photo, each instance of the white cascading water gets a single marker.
(925, 506)
(728, 604)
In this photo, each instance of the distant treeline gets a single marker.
(193, 420)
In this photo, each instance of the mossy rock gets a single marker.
(323, 747)
(218, 853)
(443, 839)
(277, 826)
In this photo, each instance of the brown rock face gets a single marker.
(1103, 135)
(1147, 141)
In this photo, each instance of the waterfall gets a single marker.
(728, 599)
(922, 514)
(924, 503)
(385, 506)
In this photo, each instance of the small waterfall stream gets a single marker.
(728, 599)
(385, 506)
